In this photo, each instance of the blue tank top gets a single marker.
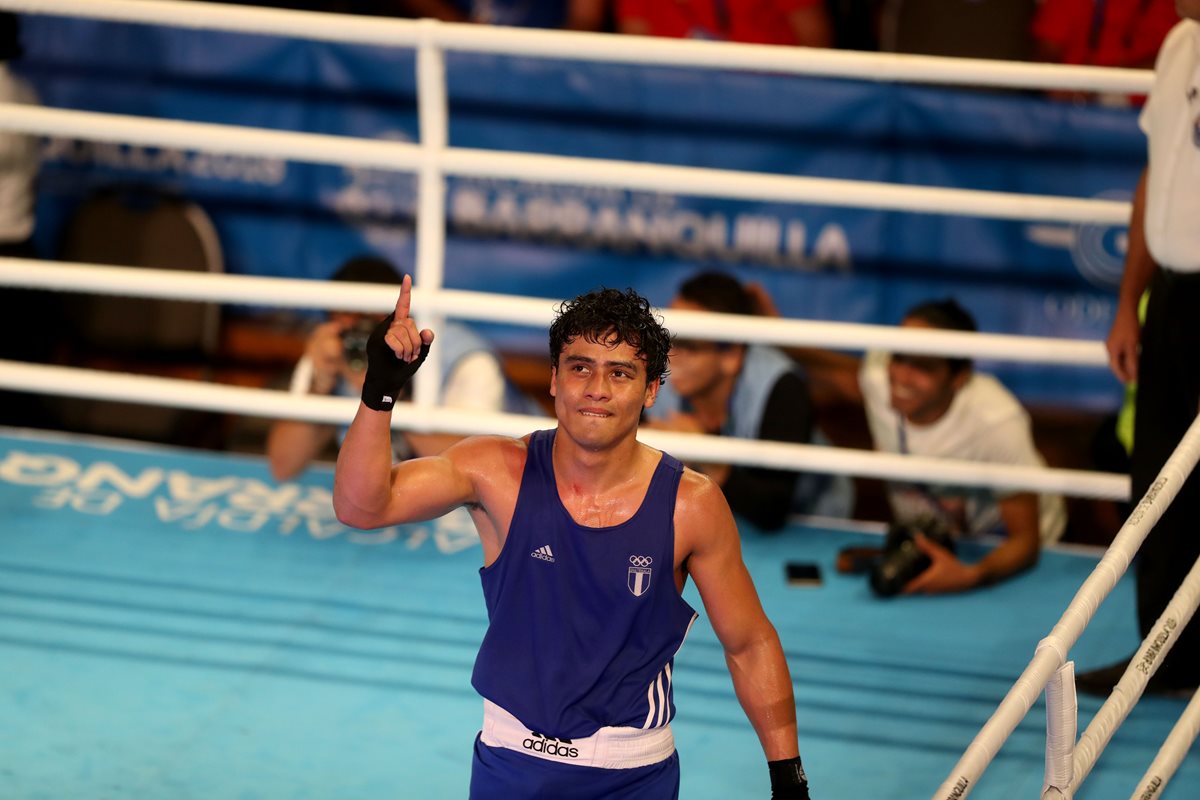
(584, 623)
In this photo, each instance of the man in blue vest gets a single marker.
(588, 538)
(752, 392)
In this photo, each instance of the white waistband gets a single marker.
(607, 748)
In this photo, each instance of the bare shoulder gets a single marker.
(487, 452)
(702, 514)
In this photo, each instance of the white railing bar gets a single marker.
(312, 148)
(537, 312)
(701, 181)
(600, 47)
(174, 393)
(1051, 651)
(709, 182)
(432, 115)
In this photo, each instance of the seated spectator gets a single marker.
(786, 22)
(335, 363)
(1102, 33)
(942, 408)
(577, 15)
(749, 391)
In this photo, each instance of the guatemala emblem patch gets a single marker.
(639, 574)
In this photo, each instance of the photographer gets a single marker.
(942, 408)
(334, 363)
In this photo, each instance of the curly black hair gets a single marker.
(613, 317)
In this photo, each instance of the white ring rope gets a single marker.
(1177, 743)
(101, 385)
(1048, 656)
(699, 181)
(619, 49)
(535, 312)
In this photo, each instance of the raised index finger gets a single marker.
(404, 301)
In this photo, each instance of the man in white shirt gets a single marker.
(942, 408)
(1163, 255)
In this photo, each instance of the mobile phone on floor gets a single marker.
(803, 573)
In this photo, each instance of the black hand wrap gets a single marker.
(387, 374)
(788, 781)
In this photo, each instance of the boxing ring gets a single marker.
(176, 624)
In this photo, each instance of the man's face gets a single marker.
(698, 366)
(922, 387)
(1188, 9)
(599, 391)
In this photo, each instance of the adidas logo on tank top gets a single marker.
(543, 553)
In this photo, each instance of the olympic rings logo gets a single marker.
(641, 561)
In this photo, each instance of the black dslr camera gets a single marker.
(902, 560)
(354, 343)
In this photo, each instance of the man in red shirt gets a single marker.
(1103, 33)
(786, 22)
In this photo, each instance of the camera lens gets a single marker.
(902, 561)
(354, 343)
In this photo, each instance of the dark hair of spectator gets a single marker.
(717, 292)
(367, 269)
(10, 37)
(614, 317)
(946, 314)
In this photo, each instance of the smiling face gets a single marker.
(922, 387)
(599, 391)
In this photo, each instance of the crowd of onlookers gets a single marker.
(1117, 33)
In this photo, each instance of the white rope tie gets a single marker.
(1061, 721)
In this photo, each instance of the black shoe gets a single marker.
(1100, 682)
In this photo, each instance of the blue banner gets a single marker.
(280, 218)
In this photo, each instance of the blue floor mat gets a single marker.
(177, 625)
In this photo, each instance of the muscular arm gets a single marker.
(752, 649)
(368, 492)
(1140, 266)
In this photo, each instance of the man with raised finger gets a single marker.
(588, 538)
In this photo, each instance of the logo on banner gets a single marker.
(1097, 249)
(639, 574)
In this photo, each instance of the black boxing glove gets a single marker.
(788, 781)
(387, 374)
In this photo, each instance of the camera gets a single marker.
(354, 343)
(902, 560)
